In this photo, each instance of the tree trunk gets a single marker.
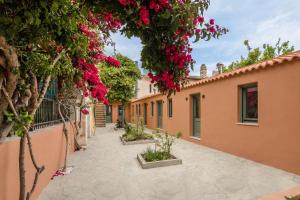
(22, 168)
(65, 130)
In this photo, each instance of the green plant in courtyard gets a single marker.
(133, 133)
(151, 155)
(162, 150)
(121, 81)
(166, 141)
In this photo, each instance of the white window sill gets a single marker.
(195, 138)
(247, 124)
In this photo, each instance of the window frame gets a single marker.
(152, 108)
(243, 109)
(170, 108)
(139, 109)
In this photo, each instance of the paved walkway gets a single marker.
(107, 170)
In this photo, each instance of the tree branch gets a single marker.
(46, 84)
(39, 170)
(34, 92)
(66, 136)
(78, 147)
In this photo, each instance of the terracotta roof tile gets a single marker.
(269, 63)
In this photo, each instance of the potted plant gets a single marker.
(161, 155)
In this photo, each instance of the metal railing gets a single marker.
(47, 114)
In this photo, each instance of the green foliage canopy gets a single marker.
(256, 55)
(120, 81)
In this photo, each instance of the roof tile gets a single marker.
(265, 64)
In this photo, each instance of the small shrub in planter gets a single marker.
(161, 155)
(151, 155)
(135, 133)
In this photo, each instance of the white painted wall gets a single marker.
(143, 87)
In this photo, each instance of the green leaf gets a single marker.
(54, 6)
(29, 17)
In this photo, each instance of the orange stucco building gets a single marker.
(252, 112)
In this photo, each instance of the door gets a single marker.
(108, 111)
(196, 115)
(120, 112)
(159, 114)
(145, 113)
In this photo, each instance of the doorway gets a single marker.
(145, 113)
(159, 114)
(108, 111)
(196, 118)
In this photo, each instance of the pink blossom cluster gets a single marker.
(166, 80)
(94, 47)
(94, 86)
(158, 5)
(93, 19)
(111, 23)
(58, 173)
(90, 81)
(209, 26)
(178, 55)
(127, 2)
(85, 111)
(112, 61)
(85, 30)
(144, 16)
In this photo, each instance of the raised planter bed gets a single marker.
(162, 163)
(137, 141)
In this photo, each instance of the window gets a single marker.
(136, 109)
(152, 108)
(47, 113)
(170, 108)
(249, 103)
(150, 88)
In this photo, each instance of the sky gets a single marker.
(259, 21)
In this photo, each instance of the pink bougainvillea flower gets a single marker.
(212, 29)
(144, 15)
(85, 111)
(200, 19)
(154, 6)
(127, 2)
(211, 21)
(113, 61)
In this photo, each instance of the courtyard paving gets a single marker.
(108, 170)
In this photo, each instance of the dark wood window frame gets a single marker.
(170, 108)
(243, 104)
(152, 108)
